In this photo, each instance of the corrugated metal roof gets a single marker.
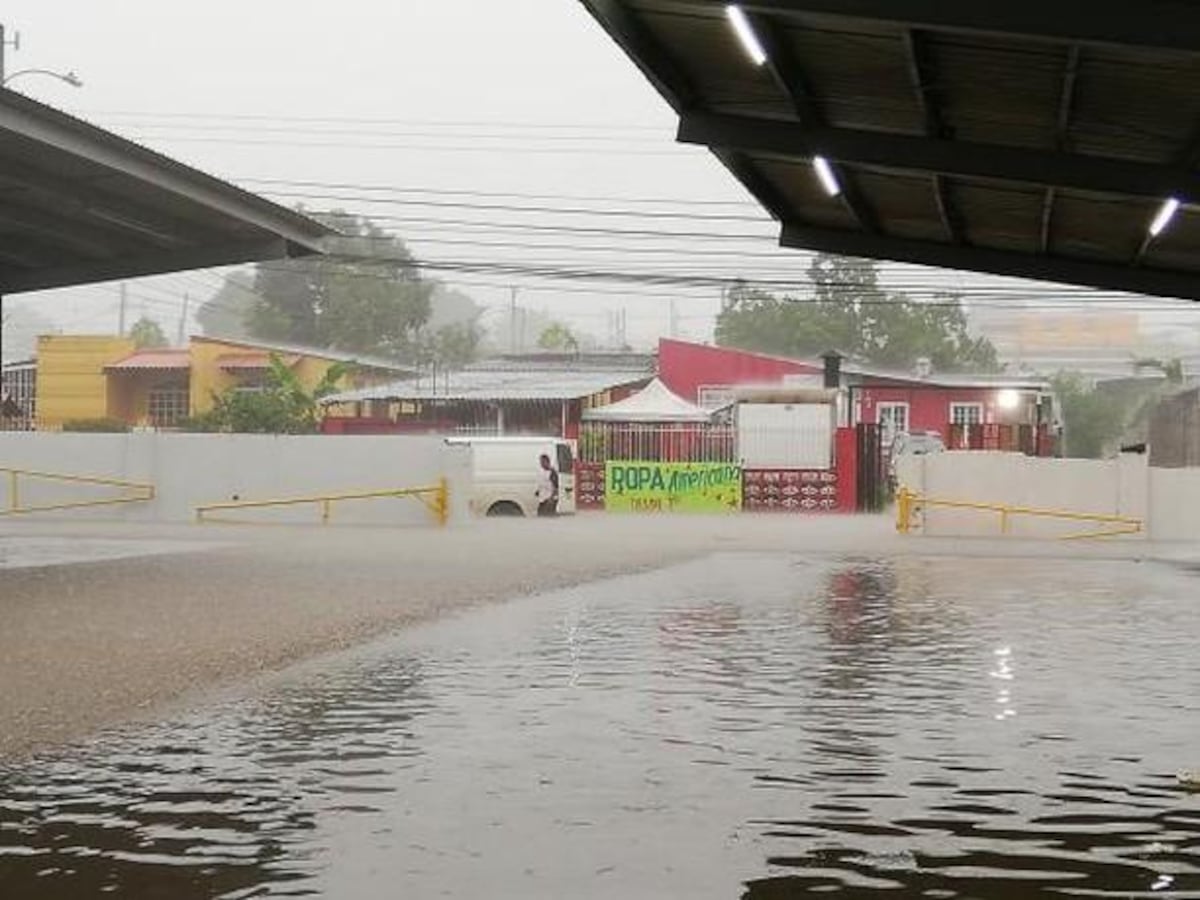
(326, 353)
(485, 385)
(84, 205)
(1021, 138)
(252, 361)
(144, 360)
(942, 381)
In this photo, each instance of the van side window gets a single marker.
(566, 461)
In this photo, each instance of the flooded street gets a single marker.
(746, 725)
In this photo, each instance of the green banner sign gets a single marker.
(672, 487)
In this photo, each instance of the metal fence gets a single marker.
(602, 441)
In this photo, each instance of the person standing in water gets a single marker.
(547, 489)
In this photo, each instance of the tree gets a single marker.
(225, 313)
(148, 334)
(849, 311)
(558, 336)
(1092, 422)
(283, 406)
(368, 299)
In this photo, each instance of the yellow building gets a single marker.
(98, 377)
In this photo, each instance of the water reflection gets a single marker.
(209, 806)
(754, 726)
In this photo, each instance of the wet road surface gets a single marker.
(759, 726)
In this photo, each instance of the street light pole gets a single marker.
(5, 43)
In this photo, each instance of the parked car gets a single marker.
(505, 472)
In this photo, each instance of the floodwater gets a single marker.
(757, 726)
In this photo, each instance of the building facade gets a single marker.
(89, 377)
(968, 412)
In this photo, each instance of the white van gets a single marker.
(506, 470)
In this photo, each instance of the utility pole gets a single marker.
(183, 321)
(124, 289)
(5, 43)
(512, 321)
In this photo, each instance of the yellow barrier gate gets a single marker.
(141, 493)
(908, 504)
(436, 498)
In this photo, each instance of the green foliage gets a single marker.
(371, 299)
(849, 311)
(282, 406)
(558, 337)
(454, 346)
(225, 313)
(1093, 420)
(147, 334)
(96, 426)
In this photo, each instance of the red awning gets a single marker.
(152, 360)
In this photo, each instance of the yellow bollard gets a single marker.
(904, 510)
(443, 501)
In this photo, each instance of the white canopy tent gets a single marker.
(653, 403)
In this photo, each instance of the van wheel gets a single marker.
(505, 508)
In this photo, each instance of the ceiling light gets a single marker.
(1164, 217)
(825, 173)
(745, 32)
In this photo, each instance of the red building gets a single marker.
(969, 412)
(706, 375)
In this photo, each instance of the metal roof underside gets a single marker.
(1022, 138)
(495, 385)
(79, 204)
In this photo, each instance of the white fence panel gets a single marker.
(785, 435)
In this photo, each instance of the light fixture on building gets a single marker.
(1165, 214)
(745, 32)
(825, 173)
(1008, 399)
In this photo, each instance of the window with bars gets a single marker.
(966, 413)
(892, 418)
(167, 405)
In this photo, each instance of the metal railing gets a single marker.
(435, 498)
(602, 441)
(141, 492)
(909, 503)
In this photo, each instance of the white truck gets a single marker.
(505, 473)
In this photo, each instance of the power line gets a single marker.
(400, 189)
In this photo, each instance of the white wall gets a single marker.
(1175, 504)
(1118, 487)
(193, 469)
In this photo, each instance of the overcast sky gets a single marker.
(363, 104)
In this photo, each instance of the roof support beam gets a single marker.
(52, 133)
(1062, 140)
(752, 180)
(133, 267)
(789, 76)
(924, 79)
(644, 49)
(1166, 24)
(999, 262)
(86, 200)
(933, 155)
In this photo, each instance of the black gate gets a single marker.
(874, 486)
